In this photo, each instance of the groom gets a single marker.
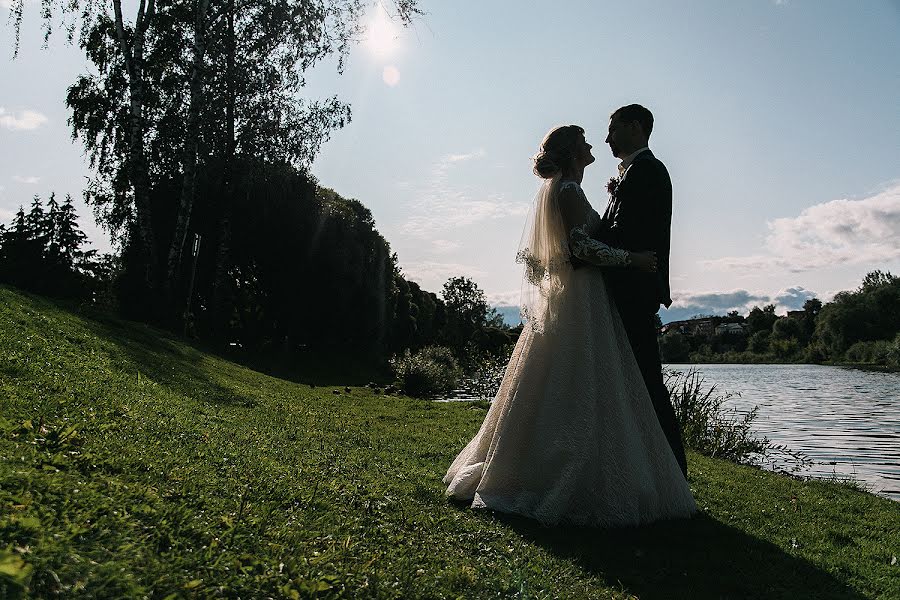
(639, 217)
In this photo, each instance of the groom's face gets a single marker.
(620, 138)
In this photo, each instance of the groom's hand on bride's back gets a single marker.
(644, 261)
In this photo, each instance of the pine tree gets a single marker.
(52, 253)
(3, 234)
(69, 238)
(16, 248)
(39, 228)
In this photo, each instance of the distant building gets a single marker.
(732, 328)
(703, 326)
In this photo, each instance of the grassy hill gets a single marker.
(135, 465)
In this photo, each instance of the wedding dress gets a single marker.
(571, 436)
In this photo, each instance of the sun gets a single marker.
(382, 36)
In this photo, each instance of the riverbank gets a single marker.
(132, 464)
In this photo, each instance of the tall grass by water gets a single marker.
(133, 465)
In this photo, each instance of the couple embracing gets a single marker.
(582, 430)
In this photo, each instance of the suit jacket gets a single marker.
(639, 217)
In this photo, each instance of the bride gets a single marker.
(571, 436)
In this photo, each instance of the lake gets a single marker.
(846, 420)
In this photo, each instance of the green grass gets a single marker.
(134, 465)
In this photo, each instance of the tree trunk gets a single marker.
(137, 161)
(219, 295)
(189, 161)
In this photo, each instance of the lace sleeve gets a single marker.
(577, 217)
(595, 252)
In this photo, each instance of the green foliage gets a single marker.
(674, 348)
(880, 352)
(188, 476)
(787, 329)
(42, 252)
(431, 371)
(869, 314)
(761, 319)
(855, 327)
(484, 372)
(759, 342)
(706, 425)
(467, 310)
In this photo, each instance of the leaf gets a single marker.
(194, 583)
(27, 522)
(12, 567)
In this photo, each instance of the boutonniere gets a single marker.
(612, 186)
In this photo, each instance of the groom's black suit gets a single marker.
(639, 217)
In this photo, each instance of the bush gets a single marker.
(430, 371)
(673, 348)
(705, 426)
(879, 352)
(893, 356)
(485, 373)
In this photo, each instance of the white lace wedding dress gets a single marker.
(571, 436)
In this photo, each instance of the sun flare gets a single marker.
(382, 36)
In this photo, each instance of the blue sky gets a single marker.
(779, 123)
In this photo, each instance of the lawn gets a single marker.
(136, 465)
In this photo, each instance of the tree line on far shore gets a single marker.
(860, 326)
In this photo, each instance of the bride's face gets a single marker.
(583, 156)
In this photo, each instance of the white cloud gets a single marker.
(717, 302)
(433, 275)
(27, 119)
(453, 158)
(687, 304)
(509, 298)
(440, 205)
(444, 245)
(865, 231)
(793, 298)
(27, 180)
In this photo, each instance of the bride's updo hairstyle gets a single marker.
(557, 151)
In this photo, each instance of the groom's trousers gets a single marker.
(641, 330)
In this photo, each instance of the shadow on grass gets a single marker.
(322, 368)
(156, 349)
(695, 558)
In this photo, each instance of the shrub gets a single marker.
(431, 371)
(893, 355)
(485, 374)
(878, 352)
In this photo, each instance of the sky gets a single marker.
(779, 122)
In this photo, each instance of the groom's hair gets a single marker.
(635, 112)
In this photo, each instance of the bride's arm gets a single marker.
(575, 212)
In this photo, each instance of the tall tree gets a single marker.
(467, 310)
(133, 108)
